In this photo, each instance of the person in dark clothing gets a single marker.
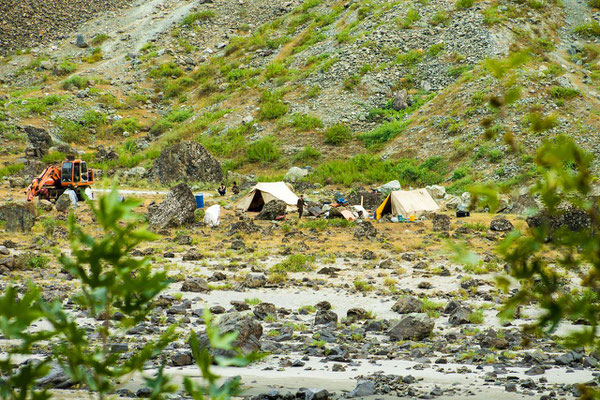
(222, 190)
(235, 189)
(300, 205)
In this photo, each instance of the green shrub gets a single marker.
(66, 68)
(412, 57)
(362, 286)
(99, 39)
(411, 17)
(439, 18)
(53, 157)
(463, 4)
(458, 70)
(177, 87)
(166, 70)
(305, 122)
(384, 133)
(94, 57)
(180, 115)
(275, 69)
(49, 224)
(11, 169)
(436, 49)
(263, 150)
(589, 29)
(337, 134)
(313, 92)
(294, 263)
(594, 3)
(308, 153)
(71, 131)
(351, 82)
(189, 19)
(559, 92)
(93, 118)
(130, 125)
(80, 82)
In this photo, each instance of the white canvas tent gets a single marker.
(264, 192)
(407, 203)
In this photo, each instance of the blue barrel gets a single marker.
(199, 200)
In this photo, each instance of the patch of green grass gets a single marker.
(253, 301)
(305, 122)
(71, 131)
(476, 226)
(410, 58)
(130, 125)
(95, 56)
(559, 92)
(476, 317)
(351, 82)
(463, 4)
(439, 18)
(308, 153)
(308, 308)
(294, 263)
(436, 49)
(66, 68)
(190, 19)
(457, 70)
(80, 82)
(314, 91)
(11, 169)
(272, 107)
(432, 308)
(411, 17)
(99, 39)
(384, 133)
(166, 70)
(337, 134)
(93, 118)
(38, 262)
(53, 157)
(264, 150)
(589, 29)
(363, 286)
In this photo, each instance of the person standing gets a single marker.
(300, 205)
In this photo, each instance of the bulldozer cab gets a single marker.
(75, 172)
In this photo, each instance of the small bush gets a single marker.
(589, 29)
(294, 263)
(411, 17)
(476, 317)
(337, 134)
(436, 49)
(309, 153)
(439, 18)
(130, 125)
(93, 118)
(53, 157)
(11, 169)
(166, 70)
(189, 19)
(66, 68)
(305, 122)
(463, 4)
(95, 56)
(594, 3)
(410, 58)
(559, 92)
(38, 262)
(179, 115)
(275, 69)
(99, 39)
(351, 82)
(384, 133)
(80, 82)
(313, 92)
(362, 286)
(264, 150)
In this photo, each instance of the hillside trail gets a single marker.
(577, 13)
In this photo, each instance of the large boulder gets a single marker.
(412, 327)
(401, 100)
(408, 305)
(436, 191)
(197, 285)
(19, 216)
(567, 217)
(272, 210)
(177, 209)
(295, 174)
(501, 224)
(365, 230)
(249, 331)
(63, 202)
(39, 138)
(389, 187)
(441, 222)
(186, 161)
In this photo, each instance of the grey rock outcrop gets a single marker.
(188, 162)
(195, 285)
(412, 327)
(501, 224)
(272, 210)
(408, 305)
(176, 210)
(441, 222)
(19, 216)
(365, 230)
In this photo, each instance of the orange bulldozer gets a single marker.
(71, 174)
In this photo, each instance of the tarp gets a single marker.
(348, 215)
(211, 215)
(72, 195)
(264, 192)
(407, 203)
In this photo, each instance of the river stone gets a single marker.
(177, 209)
(63, 202)
(365, 230)
(186, 161)
(501, 224)
(408, 305)
(295, 174)
(249, 331)
(19, 216)
(412, 327)
(195, 285)
(441, 222)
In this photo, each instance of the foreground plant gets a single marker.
(110, 281)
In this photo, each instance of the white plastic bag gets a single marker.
(211, 216)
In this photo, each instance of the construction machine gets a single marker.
(71, 174)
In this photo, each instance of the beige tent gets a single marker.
(407, 203)
(264, 192)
